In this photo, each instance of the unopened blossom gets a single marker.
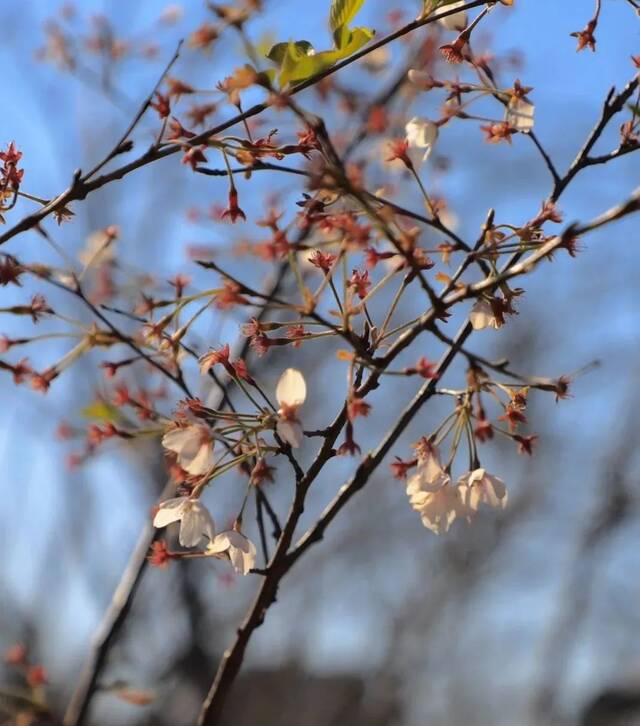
(291, 392)
(193, 447)
(422, 80)
(421, 133)
(477, 487)
(483, 315)
(457, 21)
(239, 549)
(195, 520)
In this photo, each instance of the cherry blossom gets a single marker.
(239, 549)
(421, 79)
(519, 114)
(483, 316)
(291, 393)
(195, 519)
(477, 487)
(437, 509)
(430, 475)
(193, 447)
(457, 21)
(430, 491)
(421, 134)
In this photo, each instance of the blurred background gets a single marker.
(532, 615)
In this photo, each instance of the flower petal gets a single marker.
(169, 511)
(176, 439)
(456, 21)
(291, 389)
(196, 523)
(482, 316)
(201, 463)
(220, 543)
(291, 432)
(519, 114)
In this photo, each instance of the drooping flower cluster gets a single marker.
(196, 525)
(440, 502)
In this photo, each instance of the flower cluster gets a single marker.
(438, 501)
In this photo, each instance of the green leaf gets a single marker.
(101, 411)
(356, 39)
(343, 12)
(278, 51)
(297, 64)
(297, 67)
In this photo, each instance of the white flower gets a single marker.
(457, 21)
(519, 114)
(193, 447)
(477, 487)
(239, 549)
(291, 393)
(429, 476)
(421, 134)
(420, 79)
(482, 315)
(195, 520)
(438, 510)
(430, 492)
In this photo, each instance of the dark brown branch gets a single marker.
(283, 560)
(613, 105)
(373, 460)
(117, 149)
